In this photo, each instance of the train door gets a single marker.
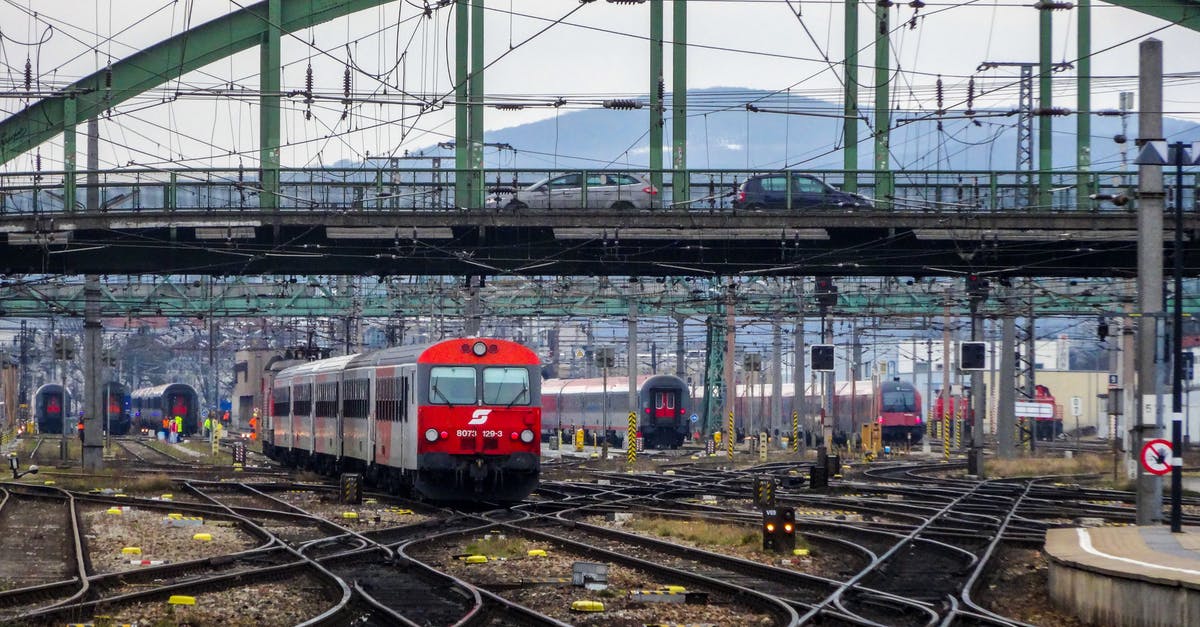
(179, 409)
(53, 413)
(407, 430)
(665, 409)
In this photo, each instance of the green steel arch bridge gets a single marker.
(388, 220)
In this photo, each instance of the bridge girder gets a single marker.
(1185, 13)
(246, 28)
(145, 70)
(237, 297)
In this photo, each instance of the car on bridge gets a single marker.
(616, 190)
(770, 191)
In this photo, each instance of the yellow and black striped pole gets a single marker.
(944, 429)
(795, 432)
(631, 441)
(729, 436)
(958, 427)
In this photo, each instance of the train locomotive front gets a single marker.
(898, 411)
(478, 420)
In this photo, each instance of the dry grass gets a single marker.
(117, 480)
(499, 545)
(1039, 466)
(702, 533)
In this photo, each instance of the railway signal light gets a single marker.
(826, 292)
(779, 529)
(977, 287)
(64, 348)
(972, 356)
(821, 357)
(1102, 329)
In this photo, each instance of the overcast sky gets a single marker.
(539, 51)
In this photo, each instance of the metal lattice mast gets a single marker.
(656, 93)
(1025, 137)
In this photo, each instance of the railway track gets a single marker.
(41, 541)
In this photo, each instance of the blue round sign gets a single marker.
(695, 418)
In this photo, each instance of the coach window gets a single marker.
(452, 385)
(280, 400)
(505, 386)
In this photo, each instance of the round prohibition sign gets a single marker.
(1156, 456)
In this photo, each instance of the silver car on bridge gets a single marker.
(616, 190)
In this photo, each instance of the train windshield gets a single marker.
(452, 385)
(899, 400)
(53, 405)
(505, 386)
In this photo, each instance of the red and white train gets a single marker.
(457, 420)
(894, 405)
(1041, 412)
(663, 410)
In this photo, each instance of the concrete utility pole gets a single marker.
(798, 388)
(1150, 276)
(633, 357)
(776, 417)
(93, 332)
(680, 348)
(978, 404)
(947, 415)
(1006, 422)
(730, 397)
(830, 385)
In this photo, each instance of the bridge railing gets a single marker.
(392, 189)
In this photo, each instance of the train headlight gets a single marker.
(479, 349)
(431, 435)
(527, 436)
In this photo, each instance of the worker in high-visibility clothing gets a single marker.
(254, 427)
(207, 426)
(179, 425)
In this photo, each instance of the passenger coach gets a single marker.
(151, 405)
(455, 420)
(51, 406)
(663, 408)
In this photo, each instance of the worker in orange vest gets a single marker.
(253, 427)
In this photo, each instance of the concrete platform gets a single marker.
(1126, 576)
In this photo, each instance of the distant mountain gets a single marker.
(723, 134)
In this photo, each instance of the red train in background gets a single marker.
(457, 420)
(1042, 411)
(895, 405)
